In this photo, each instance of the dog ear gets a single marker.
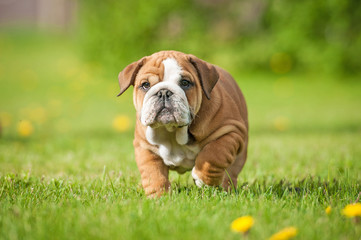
(128, 75)
(207, 74)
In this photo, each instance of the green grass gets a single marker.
(75, 177)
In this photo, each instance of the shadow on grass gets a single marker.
(114, 189)
(309, 186)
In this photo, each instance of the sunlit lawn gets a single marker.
(74, 175)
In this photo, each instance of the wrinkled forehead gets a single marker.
(156, 64)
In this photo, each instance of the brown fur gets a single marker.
(219, 127)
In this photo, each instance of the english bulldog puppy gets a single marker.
(191, 116)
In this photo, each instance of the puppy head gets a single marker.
(169, 87)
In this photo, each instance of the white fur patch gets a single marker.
(172, 71)
(197, 180)
(171, 139)
(171, 151)
(181, 135)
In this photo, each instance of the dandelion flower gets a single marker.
(281, 123)
(284, 234)
(328, 210)
(121, 123)
(242, 224)
(25, 128)
(352, 210)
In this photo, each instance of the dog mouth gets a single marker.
(168, 116)
(171, 111)
(165, 116)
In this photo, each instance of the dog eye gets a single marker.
(184, 83)
(145, 85)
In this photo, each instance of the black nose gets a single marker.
(164, 94)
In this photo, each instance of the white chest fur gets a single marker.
(172, 147)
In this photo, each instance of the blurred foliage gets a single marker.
(278, 35)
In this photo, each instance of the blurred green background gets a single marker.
(318, 36)
(297, 63)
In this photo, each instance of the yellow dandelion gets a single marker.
(352, 210)
(284, 234)
(281, 123)
(25, 128)
(328, 210)
(242, 224)
(121, 123)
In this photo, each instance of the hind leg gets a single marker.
(230, 179)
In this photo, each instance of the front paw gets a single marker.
(197, 179)
(206, 178)
(157, 191)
